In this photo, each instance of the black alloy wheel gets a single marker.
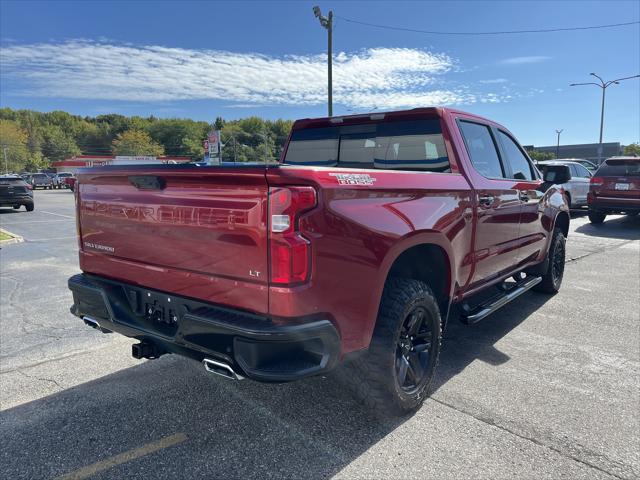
(557, 264)
(413, 350)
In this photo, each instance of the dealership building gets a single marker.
(587, 151)
(76, 162)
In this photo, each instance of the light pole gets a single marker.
(603, 85)
(558, 143)
(327, 23)
(6, 164)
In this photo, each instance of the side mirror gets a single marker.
(556, 174)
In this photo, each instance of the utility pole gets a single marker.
(558, 143)
(235, 150)
(327, 23)
(602, 85)
(6, 164)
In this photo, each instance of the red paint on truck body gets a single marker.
(205, 235)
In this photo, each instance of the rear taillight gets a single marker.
(290, 252)
(596, 181)
(29, 186)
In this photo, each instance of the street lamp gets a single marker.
(558, 144)
(327, 23)
(603, 85)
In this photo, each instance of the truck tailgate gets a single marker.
(196, 232)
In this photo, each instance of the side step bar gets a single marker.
(486, 309)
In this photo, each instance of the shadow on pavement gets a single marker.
(462, 344)
(10, 210)
(622, 228)
(308, 429)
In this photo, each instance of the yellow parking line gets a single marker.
(124, 457)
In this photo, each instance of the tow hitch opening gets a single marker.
(145, 350)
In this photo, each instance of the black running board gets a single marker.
(486, 309)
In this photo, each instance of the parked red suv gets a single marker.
(370, 235)
(615, 188)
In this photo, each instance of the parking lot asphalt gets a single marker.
(548, 387)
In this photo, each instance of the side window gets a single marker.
(582, 172)
(482, 149)
(520, 166)
(574, 170)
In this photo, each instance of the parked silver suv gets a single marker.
(577, 188)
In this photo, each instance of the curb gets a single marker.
(15, 239)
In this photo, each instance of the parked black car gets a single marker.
(15, 192)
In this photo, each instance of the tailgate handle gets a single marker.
(147, 182)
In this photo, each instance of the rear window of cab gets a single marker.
(401, 145)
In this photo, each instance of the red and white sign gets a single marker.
(213, 139)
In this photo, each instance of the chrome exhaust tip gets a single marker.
(93, 323)
(220, 368)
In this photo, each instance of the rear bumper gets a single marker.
(613, 204)
(253, 345)
(16, 200)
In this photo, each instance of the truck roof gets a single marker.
(376, 116)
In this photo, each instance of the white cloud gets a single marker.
(493, 80)
(377, 77)
(524, 60)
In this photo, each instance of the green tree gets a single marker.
(14, 144)
(179, 136)
(539, 156)
(632, 149)
(136, 142)
(57, 144)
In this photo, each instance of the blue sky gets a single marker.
(235, 59)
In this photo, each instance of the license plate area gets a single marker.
(622, 186)
(152, 311)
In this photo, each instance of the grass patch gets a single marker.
(5, 236)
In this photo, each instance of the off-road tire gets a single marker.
(372, 376)
(596, 217)
(552, 278)
(29, 208)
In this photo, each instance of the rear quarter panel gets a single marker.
(357, 231)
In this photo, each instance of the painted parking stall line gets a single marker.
(57, 214)
(94, 468)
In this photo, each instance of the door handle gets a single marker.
(486, 200)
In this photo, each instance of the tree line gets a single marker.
(31, 140)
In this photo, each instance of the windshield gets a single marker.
(615, 168)
(402, 145)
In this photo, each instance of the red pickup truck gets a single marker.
(356, 249)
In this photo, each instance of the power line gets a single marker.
(506, 32)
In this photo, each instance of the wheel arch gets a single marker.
(562, 221)
(426, 258)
